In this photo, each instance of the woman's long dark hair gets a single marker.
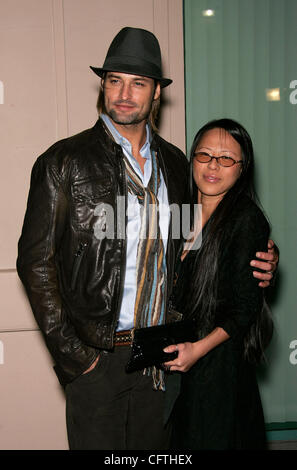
(204, 280)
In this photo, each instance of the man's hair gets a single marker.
(154, 112)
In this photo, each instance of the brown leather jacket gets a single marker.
(73, 279)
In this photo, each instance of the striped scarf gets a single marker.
(150, 265)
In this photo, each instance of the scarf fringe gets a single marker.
(157, 376)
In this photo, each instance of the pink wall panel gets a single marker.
(16, 312)
(28, 112)
(32, 405)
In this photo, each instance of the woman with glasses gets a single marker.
(219, 406)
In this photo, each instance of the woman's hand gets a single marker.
(188, 354)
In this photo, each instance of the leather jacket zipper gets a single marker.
(77, 262)
(124, 243)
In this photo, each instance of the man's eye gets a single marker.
(113, 81)
(139, 84)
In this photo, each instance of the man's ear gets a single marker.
(157, 92)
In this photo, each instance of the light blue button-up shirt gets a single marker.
(126, 317)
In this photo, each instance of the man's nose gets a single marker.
(125, 91)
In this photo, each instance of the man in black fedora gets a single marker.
(88, 265)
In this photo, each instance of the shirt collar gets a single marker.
(123, 142)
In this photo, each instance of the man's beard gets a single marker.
(134, 118)
(129, 119)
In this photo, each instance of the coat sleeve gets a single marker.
(42, 232)
(240, 299)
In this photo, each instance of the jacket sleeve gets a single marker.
(240, 299)
(36, 265)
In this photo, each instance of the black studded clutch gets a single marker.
(148, 343)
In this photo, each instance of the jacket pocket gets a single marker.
(78, 257)
(86, 195)
(90, 189)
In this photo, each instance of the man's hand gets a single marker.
(92, 366)
(269, 264)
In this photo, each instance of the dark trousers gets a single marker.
(109, 409)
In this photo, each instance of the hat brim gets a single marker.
(100, 72)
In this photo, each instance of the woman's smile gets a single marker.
(211, 178)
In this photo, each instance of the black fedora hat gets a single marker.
(134, 51)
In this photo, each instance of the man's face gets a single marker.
(128, 98)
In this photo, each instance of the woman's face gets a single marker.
(212, 179)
